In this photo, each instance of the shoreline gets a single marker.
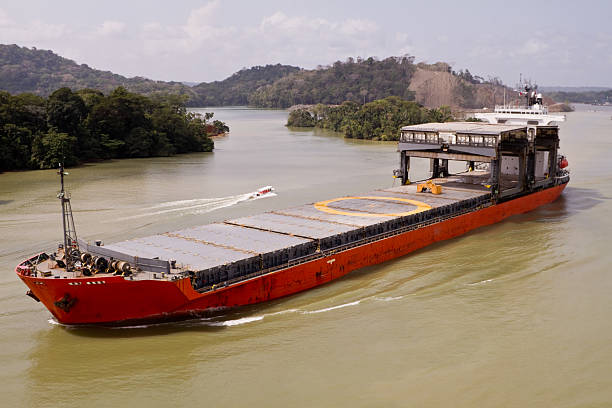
(96, 161)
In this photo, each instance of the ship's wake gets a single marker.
(198, 205)
(251, 319)
(231, 321)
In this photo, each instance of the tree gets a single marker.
(300, 118)
(15, 147)
(65, 111)
(52, 148)
(441, 114)
(220, 127)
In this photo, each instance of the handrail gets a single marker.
(540, 109)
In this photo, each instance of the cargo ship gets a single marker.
(510, 169)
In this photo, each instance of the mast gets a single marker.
(71, 246)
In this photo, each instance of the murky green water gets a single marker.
(516, 314)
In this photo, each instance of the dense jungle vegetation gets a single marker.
(236, 89)
(377, 120)
(73, 127)
(41, 72)
(354, 80)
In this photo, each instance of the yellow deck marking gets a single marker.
(322, 206)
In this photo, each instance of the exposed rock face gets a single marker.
(435, 88)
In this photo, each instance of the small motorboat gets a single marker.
(262, 191)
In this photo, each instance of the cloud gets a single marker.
(201, 20)
(35, 32)
(110, 28)
(281, 24)
(275, 37)
(204, 46)
(532, 47)
(296, 39)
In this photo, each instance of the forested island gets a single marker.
(87, 125)
(377, 120)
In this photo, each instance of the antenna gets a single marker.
(71, 245)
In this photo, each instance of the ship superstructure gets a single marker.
(256, 258)
(532, 112)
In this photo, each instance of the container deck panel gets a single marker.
(211, 245)
(143, 249)
(251, 240)
(309, 211)
(288, 224)
(194, 254)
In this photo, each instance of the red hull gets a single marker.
(114, 299)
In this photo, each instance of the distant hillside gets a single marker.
(591, 97)
(354, 80)
(41, 72)
(272, 86)
(236, 89)
(367, 80)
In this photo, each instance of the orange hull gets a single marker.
(112, 300)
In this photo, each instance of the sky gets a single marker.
(554, 43)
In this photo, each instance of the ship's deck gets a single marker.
(279, 236)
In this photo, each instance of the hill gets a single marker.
(354, 80)
(41, 72)
(361, 81)
(236, 89)
(272, 86)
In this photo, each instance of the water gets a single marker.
(515, 314)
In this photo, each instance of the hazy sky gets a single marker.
(553, 42)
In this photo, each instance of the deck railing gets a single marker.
(528, 110)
